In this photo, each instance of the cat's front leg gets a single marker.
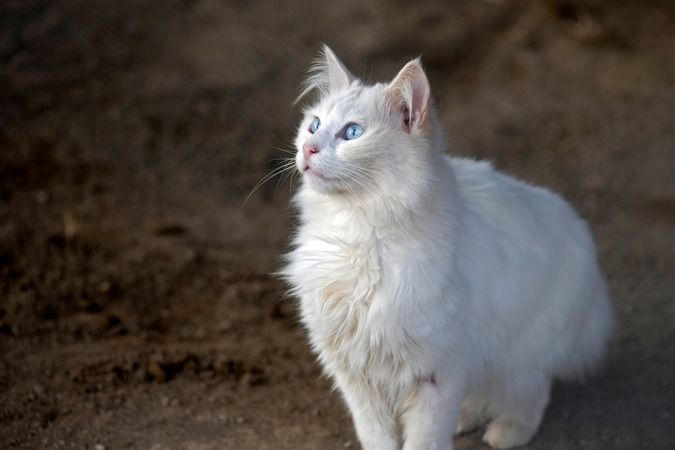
(429, 423)
(375, 425)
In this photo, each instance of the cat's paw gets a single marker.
(468, 422)
(506, 433)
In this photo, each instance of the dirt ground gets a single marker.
(137, 309)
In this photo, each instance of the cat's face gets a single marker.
(355, 137)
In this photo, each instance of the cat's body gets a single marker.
(428, 282)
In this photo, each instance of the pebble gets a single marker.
(156, 372)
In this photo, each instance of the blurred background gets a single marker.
(137, 309)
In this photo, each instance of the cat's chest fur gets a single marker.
(339, 270)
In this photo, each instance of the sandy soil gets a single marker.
(136, 305)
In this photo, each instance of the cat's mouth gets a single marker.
(313, 172)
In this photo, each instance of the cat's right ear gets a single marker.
(327, 74)
(337, 75)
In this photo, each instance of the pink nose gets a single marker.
(308, 150)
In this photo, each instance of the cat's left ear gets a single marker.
(409, 96)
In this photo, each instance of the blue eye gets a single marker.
(353, 131)
(316, 123)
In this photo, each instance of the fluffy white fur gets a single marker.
(439, 294)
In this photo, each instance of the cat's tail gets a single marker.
(597, 326)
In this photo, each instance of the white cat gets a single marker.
(438, 293)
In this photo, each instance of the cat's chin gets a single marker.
(320, 183)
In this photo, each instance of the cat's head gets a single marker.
(357, 138)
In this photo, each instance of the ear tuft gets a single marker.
(409, 95)
(326, 74)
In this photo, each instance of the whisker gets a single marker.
(288, 166)
(289, 151)
(359, 175)
(293, 181)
